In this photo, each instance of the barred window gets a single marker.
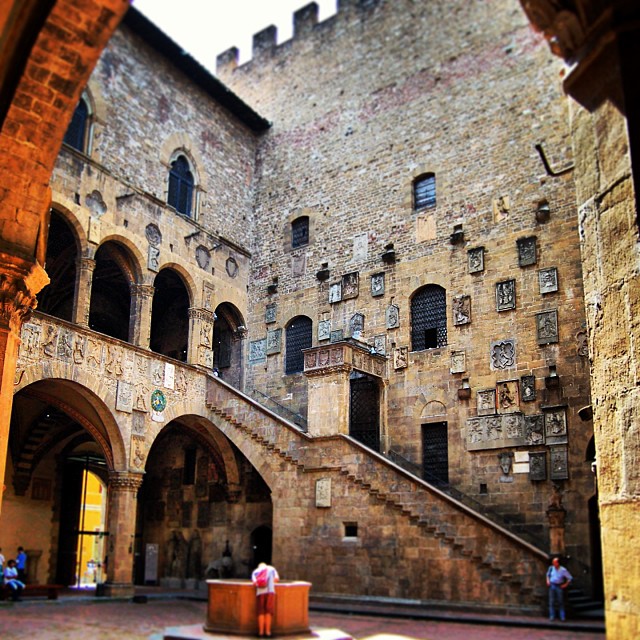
(181, 186)
(298, 337)
(424, 191)
(300, 232)
(429, 318)
(76, 134)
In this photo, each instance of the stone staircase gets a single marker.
(509, 568)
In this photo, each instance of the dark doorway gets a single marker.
(261, 541)
(170, 316)
(364, 418)
(597, 585)
(57, 297)
(435, 453)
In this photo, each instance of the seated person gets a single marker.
(11, 580)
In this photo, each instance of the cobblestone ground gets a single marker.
(103, 620)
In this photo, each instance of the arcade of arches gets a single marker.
(115, 369)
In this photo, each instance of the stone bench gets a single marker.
(32, 591)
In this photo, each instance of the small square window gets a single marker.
(424, 191)
(483, 489)
(350, 529)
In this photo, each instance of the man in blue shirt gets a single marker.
(21, 564)
(558, 579)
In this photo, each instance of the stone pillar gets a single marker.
(84, 280)
(328, 402)
(140, 320)
(200, 338)
(20, 281)
(121, 520)
(556, 515)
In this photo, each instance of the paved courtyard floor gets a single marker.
(119, 620)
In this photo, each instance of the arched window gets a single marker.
(424, 191)
(300, 232)
(181, 186)
(299, 335)
(429, 318)
(76, 135)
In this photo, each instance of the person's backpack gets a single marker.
(262, 578)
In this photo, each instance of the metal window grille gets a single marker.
(424, 191)
(364, 414)
(181, 186)
(429, 318)
(435, 453)
(299, 335)
(75, 135)
(300, 232)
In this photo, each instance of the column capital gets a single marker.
(201, 314)
(146, 290)
(20, 281)
(86, 264)
(125, 480)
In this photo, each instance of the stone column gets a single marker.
(121, 519)
(328, 401)
(556, 514)
(200, 338)
(82, 301)
(20, 281)
(140, 319)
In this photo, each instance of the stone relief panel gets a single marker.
(94, 354)
(503, 354)
(49, 341)
(65, 344)
(401, 358)
(508, 396)
(350, 285)
(537, 466)
(534, 429)
(335, 292)
(380, 345)
(324, 330)
(528, 388)
(458, 362)
(506, 295)
(360, 246)
(555, 425)
(494, 432)
(274, 341)
(461, 310)
(377, 284)
(79, 349)
(231, 267)
(258, 351)
(138, 455)
(527, 251)
(582, 341)
(547, 327)
(392, 316)
(486, 402)
(559, 463)
(548, 280)
(501, 208)
(298, 264)
(153, 258)
(153, 235)
(323, 493)
(124, 396)
(138, 423)
(505, 461)
(30, 340)
(169, 375)
(475, 260)
(203, 257)
(356, 326)
(270, 313)
(113, 363)
(208, 291)
(337, 335)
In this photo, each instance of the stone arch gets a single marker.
(89, 403)
(76, 227)
(185, 276)
(425, 409)
(205, 432)
(134, 268)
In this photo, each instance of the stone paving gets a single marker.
(100, 619)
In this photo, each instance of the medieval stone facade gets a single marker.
(376, 247)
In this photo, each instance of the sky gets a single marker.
(205, 28)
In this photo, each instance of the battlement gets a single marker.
(305, 24)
